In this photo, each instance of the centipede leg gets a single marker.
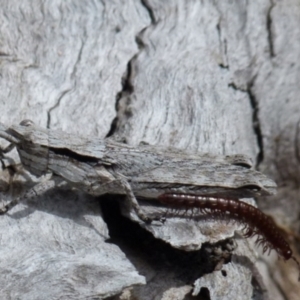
(265, 248)
(270, 249)
(298, 264)
(248, 232)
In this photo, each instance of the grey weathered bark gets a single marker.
(208, 76)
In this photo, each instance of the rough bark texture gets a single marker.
(208, 76)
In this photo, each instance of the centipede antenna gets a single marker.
(297, 262)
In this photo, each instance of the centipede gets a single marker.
(254, 221)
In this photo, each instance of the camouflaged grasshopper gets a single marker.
(99, 166)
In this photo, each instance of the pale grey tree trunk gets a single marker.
(207, 76)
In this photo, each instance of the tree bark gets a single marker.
(208, 76)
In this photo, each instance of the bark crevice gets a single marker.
(269, 29)
(126, 81)
(65, 92)
(255, 118)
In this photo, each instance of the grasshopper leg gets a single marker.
(7, 149)
(35, 191)
(132, 199)
(133, 202)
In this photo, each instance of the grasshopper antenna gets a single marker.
(13, 141)
(7, 136)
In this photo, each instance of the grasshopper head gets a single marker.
(32, 145)
(27, 131)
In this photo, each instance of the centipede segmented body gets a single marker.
(255, 222)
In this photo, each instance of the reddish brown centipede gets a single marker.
(255, 222)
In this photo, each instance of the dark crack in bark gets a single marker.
(223, 45)
(127, 90)
(150, 11)
(127, 86)
(55, 106)
(255, 118)
(269, 29)
(256, 123)
(63, 93)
